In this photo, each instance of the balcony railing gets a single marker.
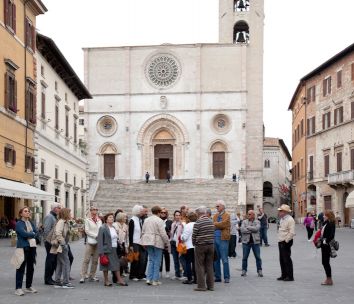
(343, 177)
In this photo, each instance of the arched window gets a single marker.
(241, 32)
(241, 5)
(267, 163)
(267, 189)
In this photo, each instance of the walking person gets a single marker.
(26, 233)
(250, 240)
(309, 224)
(165, 253)
(203, 241)
(233, 235)
(107, 242)
(328, 232)
(187, 239)
(221, 222)
(176, 232)
(147, 177)
(92, 225)
(263, 219)
(49, 223)
(168, 176)
(286, 233)
(61, 248)
(155, 239)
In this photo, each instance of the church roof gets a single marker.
(276, 142)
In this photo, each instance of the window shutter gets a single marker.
(313, 93)
(326, 165)
(6, 154)
(340, 114)
(311, 165)
(7, 91)
(308, 127)
(329, 119)
(13, 17)
(329, 85)
(43, 106)
(308, 95)
(352, 159)
(335, 116)
(15, 96)
(339, 162)
(324, 87)
(339, 79)
(33, 32)
(13, 157)
(323, 121)
(6, 12)
(313, 125)
(34, 108)
(352, 110)
(32, 164)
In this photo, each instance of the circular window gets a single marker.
(162, 70)
(221, 124)
(107, 126)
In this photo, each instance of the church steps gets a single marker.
(112, 195)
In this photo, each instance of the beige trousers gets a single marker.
(91, 254)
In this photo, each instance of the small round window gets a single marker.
(107, 126)
(221, 124)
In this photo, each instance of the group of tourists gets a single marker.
(200, 244)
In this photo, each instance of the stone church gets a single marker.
(194, 110)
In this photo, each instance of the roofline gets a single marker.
(72, 76)
(329, 62)
(294, 95)
(285, 148)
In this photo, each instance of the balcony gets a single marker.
(341, 178)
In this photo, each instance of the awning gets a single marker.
(349, 203)
(21, 190)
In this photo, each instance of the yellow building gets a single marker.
(17, 103)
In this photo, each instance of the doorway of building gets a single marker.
(218, 164)
(163, 155)
(109, 166)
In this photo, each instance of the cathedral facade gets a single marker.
(194, 111)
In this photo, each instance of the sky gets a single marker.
(298, 37)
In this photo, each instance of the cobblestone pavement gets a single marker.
(308, 274)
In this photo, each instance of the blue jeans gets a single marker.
(263, 234)
(222, 250)
(175, 256)
(155, 256)
(257, 254)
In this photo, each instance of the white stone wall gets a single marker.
(52, 146)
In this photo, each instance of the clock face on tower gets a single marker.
(162, 70)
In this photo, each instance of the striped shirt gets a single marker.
(203, 231)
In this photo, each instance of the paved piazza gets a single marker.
(308, 274)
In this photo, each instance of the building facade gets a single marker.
(329, 107)
(276, 175)
(18, 84)
(194, 110)
(61, 160)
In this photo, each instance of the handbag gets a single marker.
(334, 244)
(104, 260)
(132, 256)
(181, 248)
(317, 239)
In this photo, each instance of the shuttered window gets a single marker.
(339, 79)
(327, 86)
(29, 163)
(57, 117)
(311, 167)
(339, 161)
(10, 155)
(352, 159)
(43, 104)
(10, 15)
(31, 104)
(313, 125)
(326, 165)
(352, 110)
(352, 71)
(10, 92)
(30, 35)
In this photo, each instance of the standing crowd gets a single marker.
(200, 244)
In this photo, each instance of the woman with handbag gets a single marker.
(176, 232)
(187, 239)
(107, 241)
(122, 247)
(309, 224)
(328, 232)
(26, 233)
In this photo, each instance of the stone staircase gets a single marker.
(112, 194)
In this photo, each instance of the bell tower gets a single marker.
(241, 24)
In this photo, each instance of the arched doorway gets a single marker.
(346, 211)
(218, 150)
(267, 189)
(311, 198)
(108, 154)
(162, 141)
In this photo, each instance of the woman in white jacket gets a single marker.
(187, 239)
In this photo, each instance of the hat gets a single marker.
(285, 208)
